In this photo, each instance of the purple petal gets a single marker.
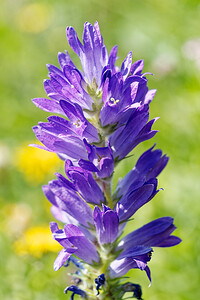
(98, 221)
(111, 224)
(112, 57)
(71, 146)
(148, 166)
(85, 249)
(149, 96)
(137, 67)
(126, 65)
(64, 59)
(54, 227)
(106, 167)
(73, 41)
(134, 201)
(87, 188)
(62, 216)
(152, 234)
(87, 165)
(107, 224)
(145, 134)
(93, 54)
(48, 105)
(61, 259)
(135, 251)
(120, 267)
(68, 200)
(49, 194)
(60, 236)
(65, 218)
(148, 272)
(157, 169)
(124, 139)
(170, 241)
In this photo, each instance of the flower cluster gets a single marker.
(104, 115)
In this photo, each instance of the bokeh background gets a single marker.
(166, 35)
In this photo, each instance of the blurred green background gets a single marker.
(166, 35)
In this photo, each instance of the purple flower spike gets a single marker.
(104, 115)
(93, 54)
(107, 223)
(100, 160)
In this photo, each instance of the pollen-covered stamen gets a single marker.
(100, 280)
(114, 101)
(78, 123)
(100, 157)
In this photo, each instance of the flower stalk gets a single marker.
(104, 115)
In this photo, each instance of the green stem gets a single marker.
(107, 189)
(108, 290)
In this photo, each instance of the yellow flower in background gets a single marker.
(36, 241)
(34, 17)
(36, 164)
